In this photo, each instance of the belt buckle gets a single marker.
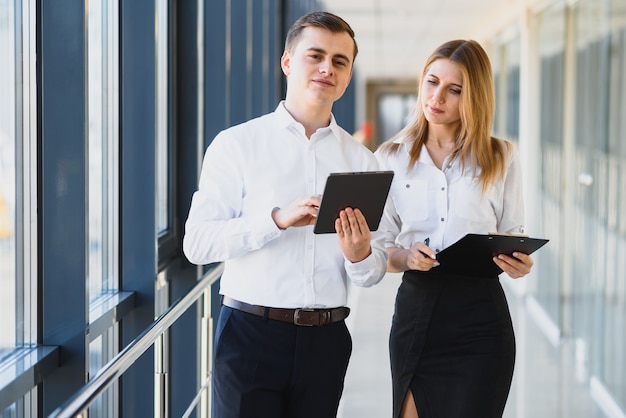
(296, 316)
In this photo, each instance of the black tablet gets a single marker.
(365, 190)
(473, 254)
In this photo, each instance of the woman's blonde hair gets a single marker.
(473, 141)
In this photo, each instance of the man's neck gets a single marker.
(311, 117)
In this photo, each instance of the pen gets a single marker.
(426, 241)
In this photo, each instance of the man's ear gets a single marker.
(285, 62)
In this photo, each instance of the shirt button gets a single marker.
(443, 188)
(408, 186)
(442, 219)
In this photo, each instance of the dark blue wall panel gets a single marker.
(216, 77)
(62, 185)
(138, 237)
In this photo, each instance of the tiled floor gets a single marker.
(546, 384)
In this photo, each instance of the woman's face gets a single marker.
(441, 92)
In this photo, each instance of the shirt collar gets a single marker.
(284, 120)
(406, 144)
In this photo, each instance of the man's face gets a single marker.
(319, 66)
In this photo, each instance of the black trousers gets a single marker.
(272, 369)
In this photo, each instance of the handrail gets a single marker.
(125, 358)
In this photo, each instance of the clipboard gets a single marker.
(472, 255)
(365, 190)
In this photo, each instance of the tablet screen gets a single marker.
(365, 190)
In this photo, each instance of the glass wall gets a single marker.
(581, 285)
(599, 306)
(103, 146)
(18, 176)
(612, 344)
(9, 50)
(552, 69)
(162, 134)
(103, 185)
(505, 60)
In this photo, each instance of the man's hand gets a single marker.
(354, 235)
(302, 212)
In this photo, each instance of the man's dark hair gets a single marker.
(323, 20)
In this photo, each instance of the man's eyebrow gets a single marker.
(323, 51)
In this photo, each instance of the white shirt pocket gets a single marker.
(411, 200)
(470, 203)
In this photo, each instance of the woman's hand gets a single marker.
(421, 257)
(418, 257)
(516, 266)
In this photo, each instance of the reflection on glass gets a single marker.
(162, 97)
(101, 349)
(102, 76)
(103, 183)
(8, 143)
(599, 308)
(551, 113)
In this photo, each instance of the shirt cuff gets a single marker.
(265, 228)
(362, 272)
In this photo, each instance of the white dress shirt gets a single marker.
(444, 205)
(250, 169)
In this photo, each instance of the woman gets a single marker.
(452, 345)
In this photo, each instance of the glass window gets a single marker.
(107, 404)
(103, 183)
(18, 236)
(506, 63)
(8, 143)
(609, 363)
(162, 126)
(552, 71)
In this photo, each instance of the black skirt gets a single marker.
(452, 345)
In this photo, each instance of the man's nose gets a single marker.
(326, 67)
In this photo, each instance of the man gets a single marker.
(282, 346)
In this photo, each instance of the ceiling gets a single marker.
(396, 36)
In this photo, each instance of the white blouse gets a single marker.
(444, 205)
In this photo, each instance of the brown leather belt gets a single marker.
(300, 316)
